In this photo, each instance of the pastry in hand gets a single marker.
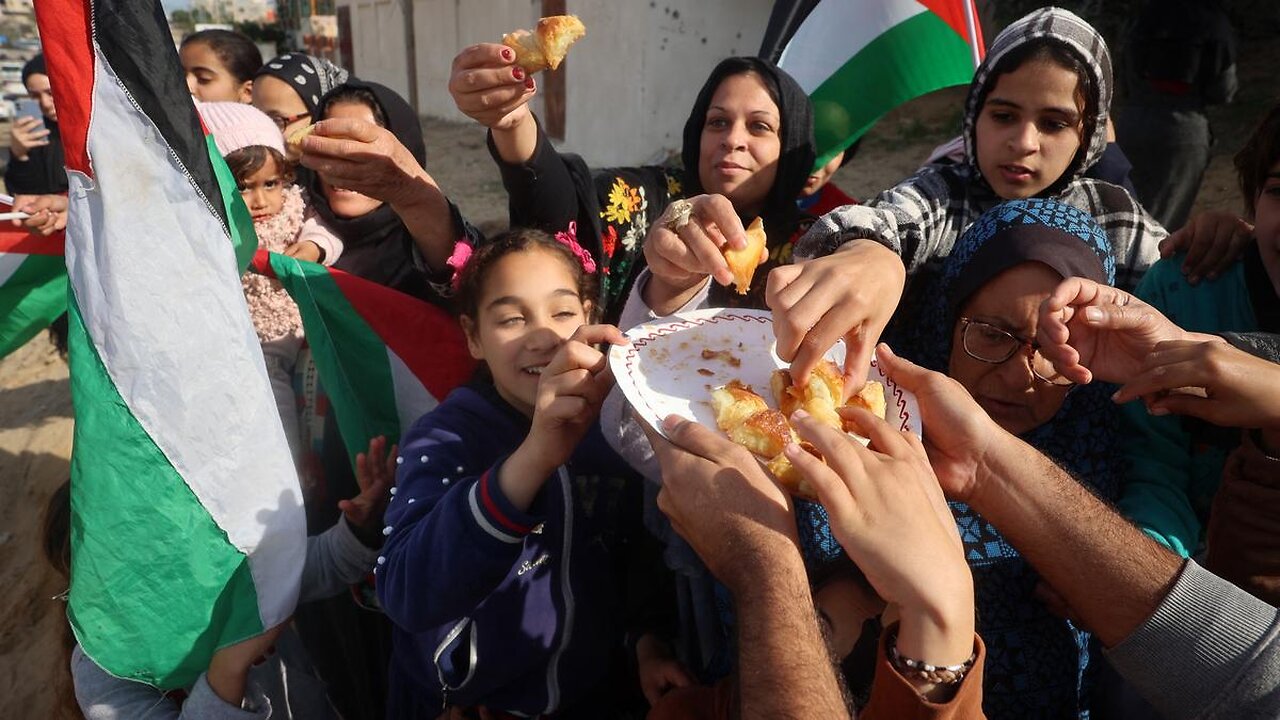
(546, 46)
(743, 263)
(295, 138)
(790, 478)
(870, 398)
(819, 396)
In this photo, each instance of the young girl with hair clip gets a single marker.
(514, 538)
(220, 65)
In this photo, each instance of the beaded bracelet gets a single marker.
(938, 674)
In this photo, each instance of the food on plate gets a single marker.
(295, 138)
(725, 355)
(546, 46)
(743, 263)
(747, 419)
(819, 396)
(871, 398)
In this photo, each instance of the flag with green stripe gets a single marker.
(859, 59)
(384, 358)
(33, 285)
(187, 528)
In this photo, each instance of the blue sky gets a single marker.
(171, 5)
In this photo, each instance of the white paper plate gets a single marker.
(663, 372)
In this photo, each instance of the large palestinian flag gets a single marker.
(33, 285)
(859, 59)
(187, 527)
(384, 358)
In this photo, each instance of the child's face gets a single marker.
(208, 79)
(349, 203)
(1029, 129)
(263, 190)
(529, 306)
(1266, 227)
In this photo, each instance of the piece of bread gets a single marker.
(790, 478)
(546, 46)
(870, 397)
(743, 263)
(293, 141)
(820, 395)
(747, 420)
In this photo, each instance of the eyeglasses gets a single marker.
(285, 121)
(989, 344)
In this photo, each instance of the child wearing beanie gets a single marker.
(254, 150)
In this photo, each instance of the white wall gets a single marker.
(630, 82)
(377, 42)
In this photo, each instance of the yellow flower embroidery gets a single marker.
(673, 186)
(623, 200)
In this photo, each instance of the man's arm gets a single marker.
(784, 666)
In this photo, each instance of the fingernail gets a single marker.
(1157, 411)
(671, 421)
(518, 72)
(792, 450)
(1115, 396)
(1093, 314)
(506, 54)
(528, 82)
(800, 414)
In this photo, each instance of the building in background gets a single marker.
(623, 94)
(309, 25)
(232, 11)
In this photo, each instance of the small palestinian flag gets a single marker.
(384, 358)
(859, 59)
(187, 527)
(33, 285)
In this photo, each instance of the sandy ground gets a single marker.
(35, 409)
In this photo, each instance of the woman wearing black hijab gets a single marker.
(370, 188)
(769, 154)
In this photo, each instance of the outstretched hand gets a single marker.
(1090, 330)
(1212, 240)
(1210, 380)
(375, 475)
(849, 294)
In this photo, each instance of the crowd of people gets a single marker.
(1087, 528)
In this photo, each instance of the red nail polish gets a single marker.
(506, 54)
(528, 82)
(518, 72)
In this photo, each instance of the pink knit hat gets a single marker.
(237, 125)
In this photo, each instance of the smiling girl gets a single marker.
(513, 524)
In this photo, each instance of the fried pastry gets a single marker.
(745, 417)
(295, 138)
(743, 263)
(871, 398)
(546, 46)
(820, 395)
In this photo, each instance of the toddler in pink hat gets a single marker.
(254, 150)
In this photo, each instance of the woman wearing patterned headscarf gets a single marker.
(980, 314)
(289, 87)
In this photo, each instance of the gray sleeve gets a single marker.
(911, 219)
(335, 559)
(102, 696)
(1210, 650)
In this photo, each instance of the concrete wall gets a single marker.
(377, 29)
(630, 82)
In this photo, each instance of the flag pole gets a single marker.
(971, 25)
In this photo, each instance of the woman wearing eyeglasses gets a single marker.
(979, 325)
(289, 87)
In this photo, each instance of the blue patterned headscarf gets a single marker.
(1037, 662)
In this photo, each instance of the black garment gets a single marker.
(1181, 60)
(377, 245)
(44, 171)
(551, 190)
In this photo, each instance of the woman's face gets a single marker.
(1029, 129)
(1009, 392)
(741, 143)
(349, 203)
(282, 104)
(1266, 227)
